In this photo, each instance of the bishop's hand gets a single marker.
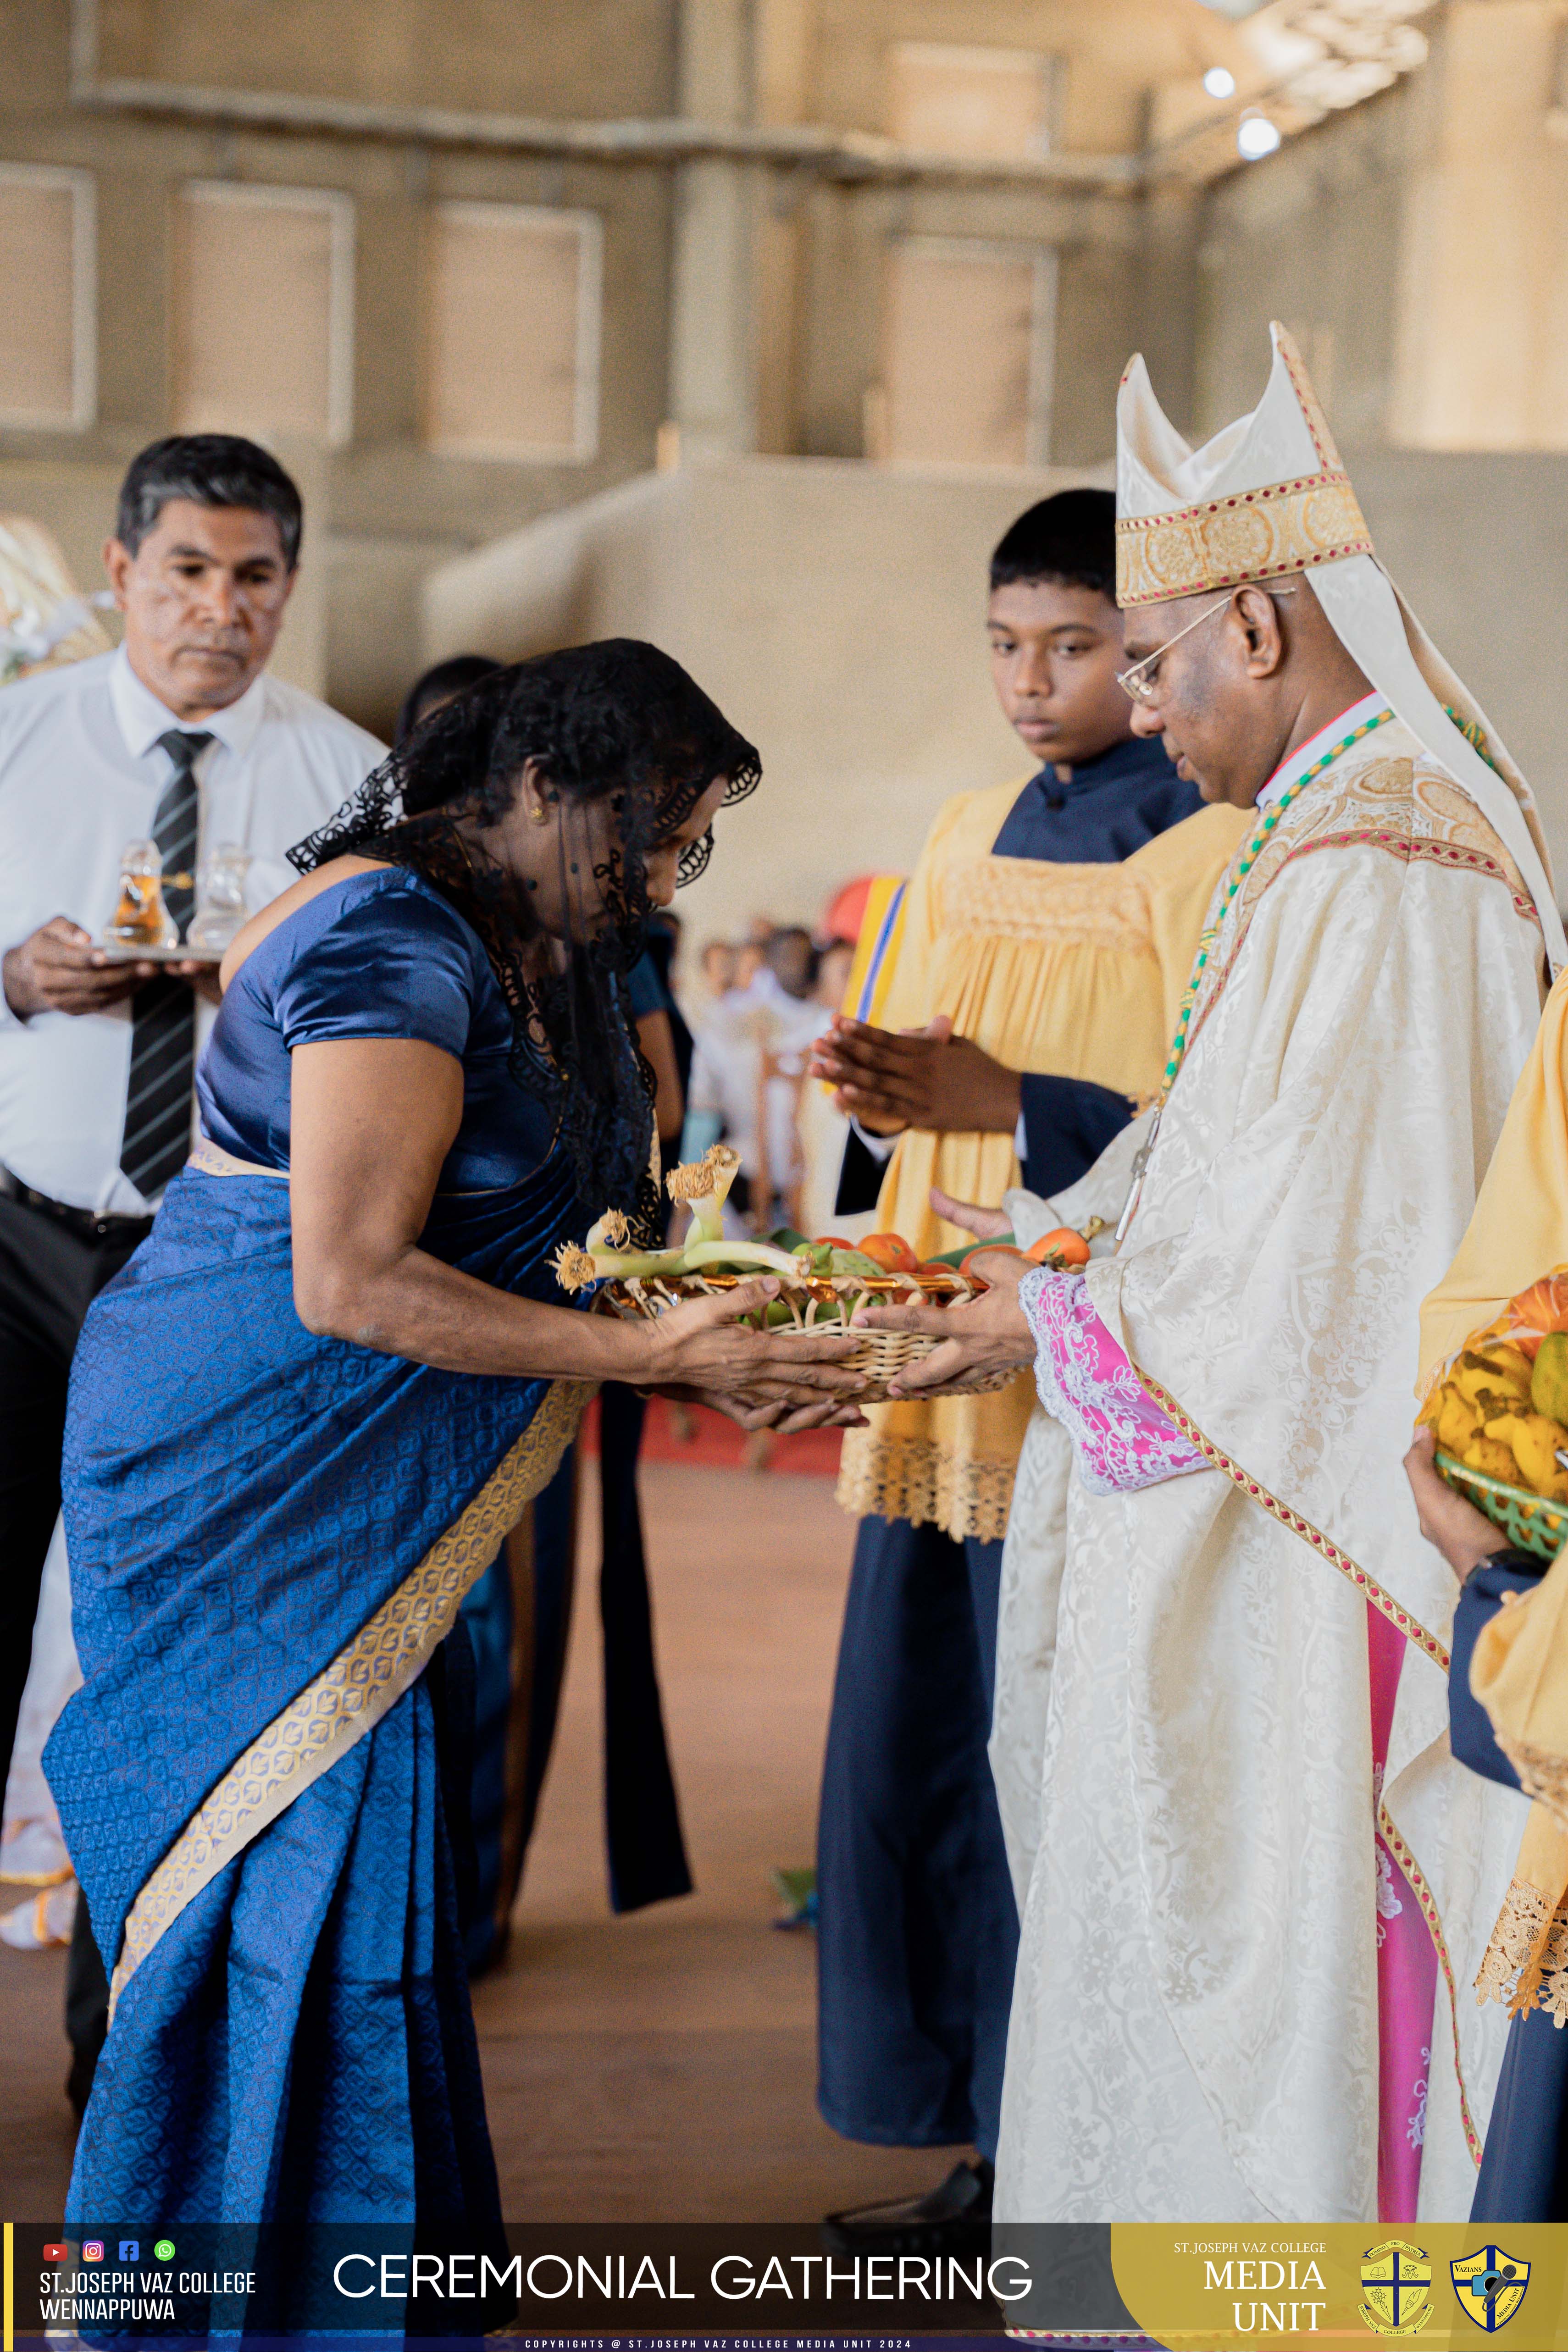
(986, 1334)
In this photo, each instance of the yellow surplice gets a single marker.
(1520, 1668)
(1520, 1228)
(1073, 971)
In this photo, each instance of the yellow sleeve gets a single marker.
(1180, 869)
(1520, 1228)
(906, 1003)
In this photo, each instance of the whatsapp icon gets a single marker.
(164, 2250)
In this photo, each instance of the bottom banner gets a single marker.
(683, 2288)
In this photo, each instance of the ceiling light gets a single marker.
(1220, 82)
(1255, 137)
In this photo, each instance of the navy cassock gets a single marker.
(918, 1931)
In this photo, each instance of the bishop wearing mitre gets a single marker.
(1255, 1887)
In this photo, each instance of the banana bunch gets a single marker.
(1502, 1414)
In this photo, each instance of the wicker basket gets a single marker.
(881, 1356)
(1530, 1522)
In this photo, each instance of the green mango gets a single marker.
(822, 1310)
(956, 1256)
(1549, 1379)
(816, 1256)
(852, 1262)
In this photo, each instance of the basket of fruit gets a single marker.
(823, 1283)
(1501, 1417)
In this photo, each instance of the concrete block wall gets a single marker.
(835, 613)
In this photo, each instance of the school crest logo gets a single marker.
(1490, 2286)
(1395, 2288)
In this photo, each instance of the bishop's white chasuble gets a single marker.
(1184, 1738)
(1255, 1887)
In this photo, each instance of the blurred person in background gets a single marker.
(179, 738)
(718, 969)
(821, 1128)
(725, 1090)
(791, 1021)
(1030, 977)
(437, 687)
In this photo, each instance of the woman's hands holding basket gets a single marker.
(702, 1353)
(819, 1342)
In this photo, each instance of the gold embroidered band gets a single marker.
(364, 1681)
(1226, 542)
(1045, 904)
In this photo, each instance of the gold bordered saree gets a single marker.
(270, 1532)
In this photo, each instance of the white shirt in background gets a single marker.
(732, 1039)
(80, 776)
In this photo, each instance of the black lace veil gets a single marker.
(617, 723)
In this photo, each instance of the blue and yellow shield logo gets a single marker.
(1395, 2288)
(1490, 2286)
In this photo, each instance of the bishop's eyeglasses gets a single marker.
(1138, 683)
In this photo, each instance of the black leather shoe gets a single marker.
(953, 2219)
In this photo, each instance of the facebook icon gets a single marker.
(130, 2250)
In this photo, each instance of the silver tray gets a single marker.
(113, 952)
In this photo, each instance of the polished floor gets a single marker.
(658, 2067)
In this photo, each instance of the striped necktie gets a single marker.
(157, 1137)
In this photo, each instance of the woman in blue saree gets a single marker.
(306, 1415)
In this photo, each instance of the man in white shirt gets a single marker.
(178, 738)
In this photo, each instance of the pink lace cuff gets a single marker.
(1122, 1439)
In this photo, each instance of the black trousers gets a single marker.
(49, 1277)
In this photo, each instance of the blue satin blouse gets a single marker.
(376, 955)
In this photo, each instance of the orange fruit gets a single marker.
(1063, 1243)
(892, 1251)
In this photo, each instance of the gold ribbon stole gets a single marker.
(362, 1683)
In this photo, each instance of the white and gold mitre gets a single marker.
(1267, 496)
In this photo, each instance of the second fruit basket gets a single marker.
(1530, 1522)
